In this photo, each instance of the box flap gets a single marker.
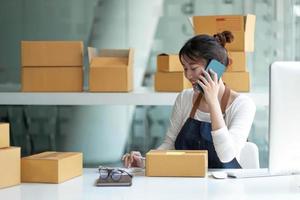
(52, 155)
(250, 23)
(176, 152)
(250, 31)
(92, 52)
(110, 57)
(191, 22)
(109, 62)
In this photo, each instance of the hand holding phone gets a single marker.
(215, 66)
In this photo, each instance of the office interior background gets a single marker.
(103, 133)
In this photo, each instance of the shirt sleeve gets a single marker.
(229, 140)
(176, 119)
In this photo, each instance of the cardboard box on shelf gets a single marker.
(242, 27)
(4, 135)
(111, 70)
(238, 59)
(51, 167)
(238, 81)
(171, 82)
(169, 63)
(10, 159)
(189, 163)
(52, 53)
(52, 79)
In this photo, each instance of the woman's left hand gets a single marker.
(210, 86)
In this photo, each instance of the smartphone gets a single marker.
(217, 67)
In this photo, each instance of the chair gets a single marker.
(249, 156)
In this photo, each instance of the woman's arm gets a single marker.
(229, 140)
(176, 119)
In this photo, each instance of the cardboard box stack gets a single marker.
(52, 66)
(10, 158)
(243, 28)
(111, 70)
(189, 163)
(51, 167)
(170, 76)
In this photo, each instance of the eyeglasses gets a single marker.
(114, 173)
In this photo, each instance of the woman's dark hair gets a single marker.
(206, 47)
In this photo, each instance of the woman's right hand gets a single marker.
(133, 159)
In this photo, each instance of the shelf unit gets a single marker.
(140, 96)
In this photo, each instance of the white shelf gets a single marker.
(140, 96)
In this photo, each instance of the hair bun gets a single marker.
(224, 37)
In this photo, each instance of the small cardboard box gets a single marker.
(52, 53)
(4, 135)
(238, 81)
(242, 27)
(111, 70)
(171, 82)
(10, 161)
(52, 79)
(192, 163)
(169, 63)
(51, 167)
(238, 59)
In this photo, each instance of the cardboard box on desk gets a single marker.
(242, 28)
(238, 61)
(52, 66)
(111, 70)
(238, 81)
(51, 167)
(10, 160)
(171, 82)
(4, 135)
(189, 163)
(169, 63)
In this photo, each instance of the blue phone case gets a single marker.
(217, 67)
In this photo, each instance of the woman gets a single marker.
(218, 120)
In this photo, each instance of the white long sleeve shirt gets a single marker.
(229, 140)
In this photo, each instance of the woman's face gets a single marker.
(192, 70)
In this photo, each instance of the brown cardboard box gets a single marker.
(238, 81)
(242, 27)
(52, 66)
(52, 79)
(111, 70)
(238, 59)
(51, 167)
(176, 163)
(10, 161)
(171, 82)
(52, 53)
(169, 63)
(4, 135)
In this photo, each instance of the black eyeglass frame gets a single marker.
(111, 171)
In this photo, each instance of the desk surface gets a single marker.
(153, 188)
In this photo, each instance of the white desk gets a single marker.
(154, 188)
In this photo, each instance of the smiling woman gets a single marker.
(220, 122)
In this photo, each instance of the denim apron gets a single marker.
(196, 135)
